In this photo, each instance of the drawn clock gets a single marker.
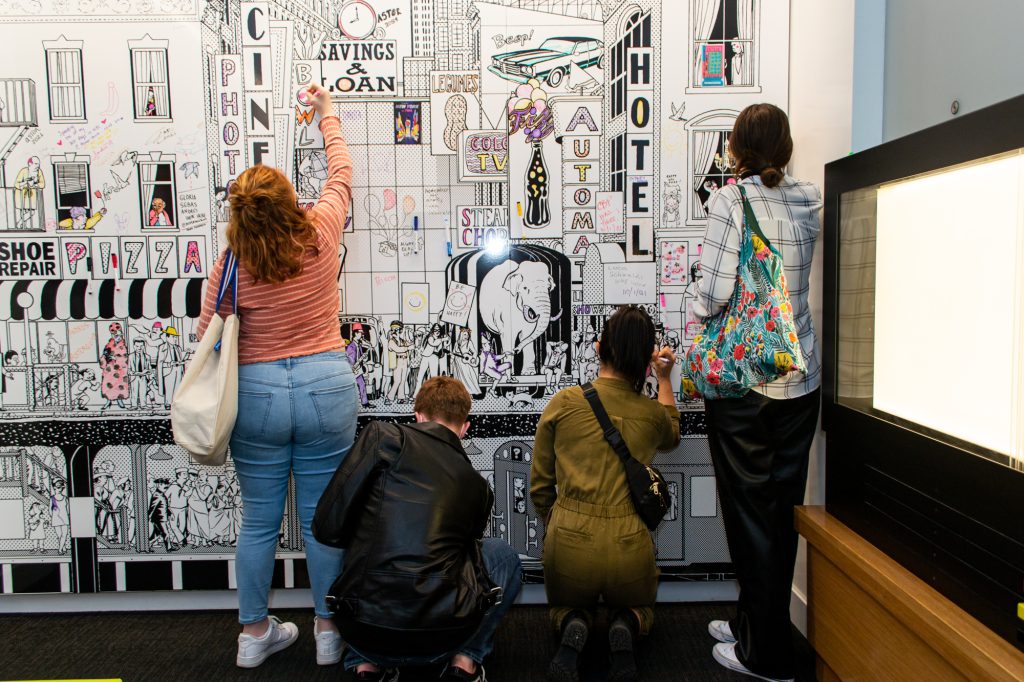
(357, 20)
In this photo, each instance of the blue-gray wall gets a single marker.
(936, 51)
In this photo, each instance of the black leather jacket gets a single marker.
(410, 510)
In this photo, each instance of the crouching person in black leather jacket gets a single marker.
(418, 585)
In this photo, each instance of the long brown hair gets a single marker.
(267, 231)
(760, 143)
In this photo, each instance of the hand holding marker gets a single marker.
(318, 98)
(663, 360)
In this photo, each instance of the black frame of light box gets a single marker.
(952, 517)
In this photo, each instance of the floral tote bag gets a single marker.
(753, 340)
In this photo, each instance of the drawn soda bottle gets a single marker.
(537, 213)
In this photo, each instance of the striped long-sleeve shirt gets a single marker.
(299, 316)
(789, 217)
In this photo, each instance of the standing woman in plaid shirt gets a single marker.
(760, 443)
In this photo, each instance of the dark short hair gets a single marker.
(627, 342)
(761, 144)
(443, 399)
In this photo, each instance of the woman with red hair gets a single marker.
(297, 399)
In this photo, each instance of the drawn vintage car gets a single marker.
(550, 62)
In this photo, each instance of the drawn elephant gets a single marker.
(515, 304)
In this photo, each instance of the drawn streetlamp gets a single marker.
(26, 300)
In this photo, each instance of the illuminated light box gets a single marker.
(948, 318)
(923, 356)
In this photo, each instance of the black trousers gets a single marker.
(759, 447)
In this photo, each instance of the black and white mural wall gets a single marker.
(522, 167)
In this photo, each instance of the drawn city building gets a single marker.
(21, 190)
(724, 40)
(114, 189)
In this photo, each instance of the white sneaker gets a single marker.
(725, 654)
(720, 630)
(329, 645)
(252, 651)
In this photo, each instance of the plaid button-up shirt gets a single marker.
(789, 215)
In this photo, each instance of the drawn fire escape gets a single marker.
(21, 202)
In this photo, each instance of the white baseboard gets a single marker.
(798, 610)
(227, 600)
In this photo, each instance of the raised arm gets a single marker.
(331, 209)
(663, 360)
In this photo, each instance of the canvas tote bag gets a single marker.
(205, 407)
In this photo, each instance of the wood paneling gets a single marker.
(871, 619)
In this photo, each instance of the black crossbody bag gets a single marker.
(647, 486)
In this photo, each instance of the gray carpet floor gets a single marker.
(200, 646)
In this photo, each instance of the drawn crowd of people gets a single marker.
(390, 365)
(195, 509)
(140, 374)
(407, 355)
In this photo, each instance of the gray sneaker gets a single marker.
(564, 666)
(252, 651)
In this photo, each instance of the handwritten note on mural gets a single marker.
(629, 282)
(610, 214)
(458, 304)
(191, 215)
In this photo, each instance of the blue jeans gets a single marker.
(506, 571)
(296, 417)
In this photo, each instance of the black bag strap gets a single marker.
(611, 434)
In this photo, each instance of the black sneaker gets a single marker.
(621, 637)
(453, 673)
(565, 665)
(384, 675)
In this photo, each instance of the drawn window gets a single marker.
(711, 167)
(619, 51)
(150, 84)
(723, 38)
(64, 77)
(619, 163)
(156, 189)
(635, 33)
(74, 199)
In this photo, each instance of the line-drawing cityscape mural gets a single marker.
(521, 168)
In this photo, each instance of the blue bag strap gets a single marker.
(228, 276)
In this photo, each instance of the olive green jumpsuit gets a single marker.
(596, 546)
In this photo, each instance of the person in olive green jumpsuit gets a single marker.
(596, 546)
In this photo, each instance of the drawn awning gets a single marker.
(102, 299)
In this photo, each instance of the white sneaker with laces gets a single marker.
(720, 630)
(329, 645)
(725, 654)
(252, 651)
